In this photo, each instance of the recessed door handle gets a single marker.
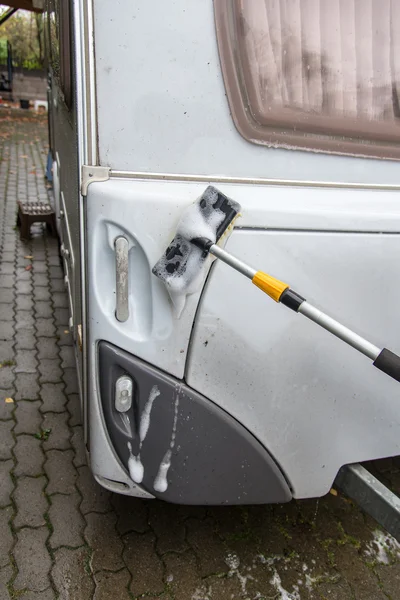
(122, 278)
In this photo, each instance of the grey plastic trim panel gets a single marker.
(191, 450)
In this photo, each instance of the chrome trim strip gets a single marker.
(250, 181)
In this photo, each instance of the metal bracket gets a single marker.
(372, 496)
(93, 174)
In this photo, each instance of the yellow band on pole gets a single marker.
(271, 286)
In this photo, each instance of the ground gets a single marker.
(62, 536)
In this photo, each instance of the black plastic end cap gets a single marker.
(388, 362)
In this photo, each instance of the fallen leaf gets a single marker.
(23, 156)
(28, 256)
(9, 400)
(32, 172)
(333, 492)
(28, 267)
(66, 330)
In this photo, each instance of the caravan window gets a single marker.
(60, 45)
(314, 74)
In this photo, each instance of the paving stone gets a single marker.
(67, 357)
(29, 456)
(71, 381)
(132, 513)
(39, 267)
(23, 275)
(112, 585)
(168, 539)
(6, 330)
(7, 257)
(56, 272)
(54, 259)
(105, 556)
(361, 579)
(64, 336)
(6, 483)
(6, 351)
(40, 279)
(50, 370)
(6, 377)
(7, 281)
(78, 446)
(30, 501)
(25, 340)
(59, 435)
(27, 386)
(74, 409)
(24, 319)
(6, 538)
(43, 309)
(5, 576)
(6, 268)
(185, 580)
(61, 316)
(32, 559)
(47, 347)
(60, 472)
(140, 550)
(60, 300)
(24, 302)
(26, 362)
(70, 574)
(42, 293)
(6, 439)
(7, 295)
(57, 285)
(201, 535)
(6, 312)
(53, 397)
(67, 521)
(46, 595)
(94, 497)
(45, 327)
(22, 287)
(28, 417)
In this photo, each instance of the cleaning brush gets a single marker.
(202, 226)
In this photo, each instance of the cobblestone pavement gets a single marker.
(62, 536)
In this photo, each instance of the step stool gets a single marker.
(35, 212)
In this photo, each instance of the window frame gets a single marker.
(291, 128)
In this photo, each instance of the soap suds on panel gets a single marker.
(161, 480)
(145, 418)
(135, 465)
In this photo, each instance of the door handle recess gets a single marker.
(122, 280)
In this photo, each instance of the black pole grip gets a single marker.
(389, 363)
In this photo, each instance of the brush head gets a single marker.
(202, 224)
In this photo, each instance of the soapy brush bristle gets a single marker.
(207, 221)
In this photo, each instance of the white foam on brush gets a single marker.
(194, 223)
